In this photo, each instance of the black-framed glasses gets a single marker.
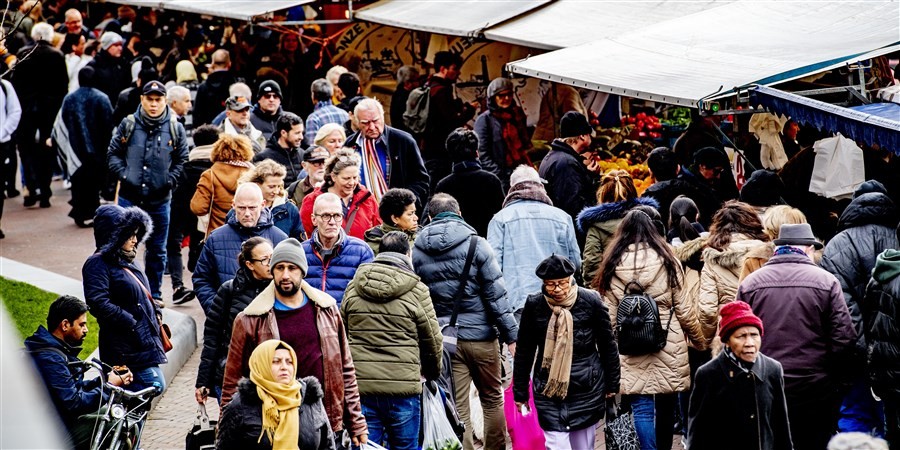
(264, 261)
(552, 286)
(336, 217)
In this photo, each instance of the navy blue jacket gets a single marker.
(87, 114)
(71, 394)
(334, 275)
(129, 328)
(219, 258)
(150, 164)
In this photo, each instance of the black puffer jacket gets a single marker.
(595, 363)
(241, 423)
(238, 293)
(570, 184)
(882, 326)
(867, 229)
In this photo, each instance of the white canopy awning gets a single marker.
(684, 60)
(452, 17)
(567, 23)
(229, 9)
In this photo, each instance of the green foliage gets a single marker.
(27, 307)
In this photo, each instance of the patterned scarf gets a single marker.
(788, 250)
(372, 171)
(558, 344)
(281, 402)
(514, 134)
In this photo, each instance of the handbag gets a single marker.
(165, 333)
(524, 430)
(450, 330)
(619, 430)
(202, 435)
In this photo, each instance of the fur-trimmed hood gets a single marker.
(265, 301)
(610, 211)
(688, 250)
(873, 208)
(113, 225)
(733, 256)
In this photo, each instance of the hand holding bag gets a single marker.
(203, 434)
(619, 430)
(524, 430)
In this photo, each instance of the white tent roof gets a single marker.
(567, 23)
(452, 17)
(230, 9)
(683, 60)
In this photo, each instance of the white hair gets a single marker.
(42, 32)
(369, 104)
(326, 197)
(178, 93)
(256, 191)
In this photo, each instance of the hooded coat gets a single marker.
(129, 328)
(882, 325)
(375, 234)
(392, 328)
(599, 224)
(241, 424)
(689, 254)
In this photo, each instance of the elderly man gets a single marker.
(212, 92)
(284, 147)
(292, 310)
(146, 155)
(179, 98)
(332, 254)
(810, 332)
(390, 157)
(528, 229)
(264, 115)
(237, 121)
(314, 166)
(324, 111)
(75, 24)
(218, 260)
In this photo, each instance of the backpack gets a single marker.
(638, 328)
(129, 129)
(416, 115)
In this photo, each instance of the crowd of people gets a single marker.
(328, 302)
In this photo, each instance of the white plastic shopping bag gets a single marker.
(838, 169)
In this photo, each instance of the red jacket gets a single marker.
(363, 210)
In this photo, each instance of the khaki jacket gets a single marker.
(691, 288)
(667, 370)
(257, 324)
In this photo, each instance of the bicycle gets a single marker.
(118, 423)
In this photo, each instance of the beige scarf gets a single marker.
(558, 344)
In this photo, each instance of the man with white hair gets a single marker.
(75, 24)
(391, 157)
(324, 111)
(179, 98)
(239, 89)
(41, 81)
(111, 71)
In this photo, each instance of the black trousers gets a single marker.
(86, 184)
(8, 165)
(38, 160)
(813, 419)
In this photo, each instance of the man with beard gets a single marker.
(284, 147)
(308, 319)
(53, 349)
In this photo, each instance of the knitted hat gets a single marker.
(763, 188)
(555, 267)
(524, 173)
(108, 39)
(269, 87)
(499, 85)
(574, 124)
(290, 250)
(735, 315)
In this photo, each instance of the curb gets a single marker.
(184, 327)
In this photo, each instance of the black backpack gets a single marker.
(638, 328)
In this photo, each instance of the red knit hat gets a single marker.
(735, 315)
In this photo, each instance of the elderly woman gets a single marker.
(118, 295)
(398, 213)
(342, 179)
(269, 175)
(274, 410)
(503, 138)
(231, 157)
(331, 136)
(740, 383)
(568, 328)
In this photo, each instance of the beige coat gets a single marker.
(667, 370)
(719, 281)
(691, 287)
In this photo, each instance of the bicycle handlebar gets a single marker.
(99, 365)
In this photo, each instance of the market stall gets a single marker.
(229, 9)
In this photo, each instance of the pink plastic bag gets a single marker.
(524, 431)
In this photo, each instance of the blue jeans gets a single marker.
(155, 253)
(145, 378)
(396, 417)
(654, 418)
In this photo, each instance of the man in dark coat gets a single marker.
(738, 400)
(212, 92)
(396, 152)
(407, 80)
(284, 148)
(709, 182)
(111, 72)
(866, 229)
(479, 192)
(810, 332)
(445, 113)
(570, 184)
(265, 113)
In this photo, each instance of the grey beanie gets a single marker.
(499, 85)
(290, 250)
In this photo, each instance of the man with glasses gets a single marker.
(237, 122)
(218, 262)
(390, 156)
(333, 256)
(264, 115)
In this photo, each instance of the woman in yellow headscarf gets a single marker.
(274, 410)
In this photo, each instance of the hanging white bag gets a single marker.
(838, 169)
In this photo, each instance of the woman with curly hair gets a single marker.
(269, 175)
(398, 213)
(231, 157)
(342, 179)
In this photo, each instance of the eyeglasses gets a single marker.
(351, 159)
(270, 95)
(552, 286)
(331, 217)
(366, 123)
(264, 261)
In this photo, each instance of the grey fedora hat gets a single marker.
(797, 234)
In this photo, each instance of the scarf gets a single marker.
(127, 256)
(514, 134)
(244, 164)
(154, 121)
(788, 250)
(558, 344)
(744, 366)
(527, 190)
(371, 167)
(281, 402)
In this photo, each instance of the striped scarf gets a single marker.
(372, 171)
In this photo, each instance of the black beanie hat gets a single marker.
(763, 188)
(555, 267)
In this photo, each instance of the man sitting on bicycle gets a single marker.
(53, 349)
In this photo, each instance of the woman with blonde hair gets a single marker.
(231, 157)
(615, 197)
(775, 217)
(342, 179)
(331, 136)
(269, 175)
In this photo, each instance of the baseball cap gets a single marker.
(315, 154)
(154, 87)
(237, 103)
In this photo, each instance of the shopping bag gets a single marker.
(203, 434)
(838, 168)
(437, 432)
(369, 445)
(619, 430)
(524, 431)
